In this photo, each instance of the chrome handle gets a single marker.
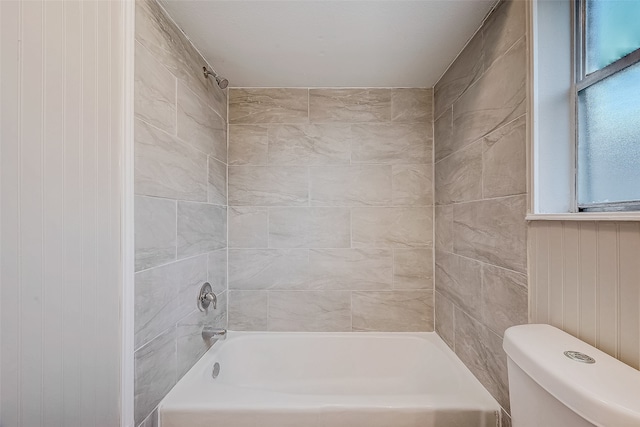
(206, 297)
(211, 298)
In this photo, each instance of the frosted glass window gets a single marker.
(609, 139)
(612, 31)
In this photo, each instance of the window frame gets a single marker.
(582, 81)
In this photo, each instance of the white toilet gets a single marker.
(584, 387)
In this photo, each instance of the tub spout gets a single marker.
(213, 334)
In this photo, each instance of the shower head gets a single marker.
(222, 82)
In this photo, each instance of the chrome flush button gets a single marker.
(579, 357)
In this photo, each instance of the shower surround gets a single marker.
(480, 196)
(330, 209)
(180, 205)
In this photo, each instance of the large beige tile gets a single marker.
(349, 105)
(190, 274)
(458, 178)
(412, 185)
(505, 26)
(495, 99)
(393, 311)
(492, 231)
(249, 106)
(412, 105)
(391, 143)
(504, 298)
(481, 351)
(248, 144)
(312, 311)
(268, 186)
(412, 269)
(365, 185)
(443, 228)
(248, 227)
(166, 167)
(350, 269)
(248, 310)
(165, 295)
(168, 44)
(217, 182)
(199, 125)
(309, 228)
(155, 91)
(391, 227)
(201, 228)
(309, 144)
(155, 231)
(260, 269)
(217, 270)
(465, 70)
(158, 287)
(155, 373)
(443, 142)
(459, 279)
(444, 319)
(504, 160)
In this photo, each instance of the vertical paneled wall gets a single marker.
(330, 209)
(62, 110)
(180, 205)
(480, 195)
(585, 279)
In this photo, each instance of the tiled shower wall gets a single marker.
(180, 205)
(330, 210)
(480, 195)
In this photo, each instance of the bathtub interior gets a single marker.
(329, 379)
(333, 365)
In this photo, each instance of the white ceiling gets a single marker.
(310, 43)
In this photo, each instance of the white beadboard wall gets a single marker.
(61, 82)
(585, 279)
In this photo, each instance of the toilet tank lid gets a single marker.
(606, 393)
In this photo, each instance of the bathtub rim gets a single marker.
(238, 399)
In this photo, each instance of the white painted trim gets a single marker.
(551, 148)
(128, 251)
(531, 186)
(586, 216)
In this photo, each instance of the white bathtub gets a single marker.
(329, 380)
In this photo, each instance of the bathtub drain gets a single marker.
(216, 370)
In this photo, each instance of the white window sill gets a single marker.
(585, 216)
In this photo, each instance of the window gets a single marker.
(607, 66)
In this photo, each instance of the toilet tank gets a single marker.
(584, 387)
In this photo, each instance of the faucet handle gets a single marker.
(211, 297)
(206, 297)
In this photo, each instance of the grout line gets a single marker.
(499, 128)
(433, 210)
(484, 263)
(176, 138)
